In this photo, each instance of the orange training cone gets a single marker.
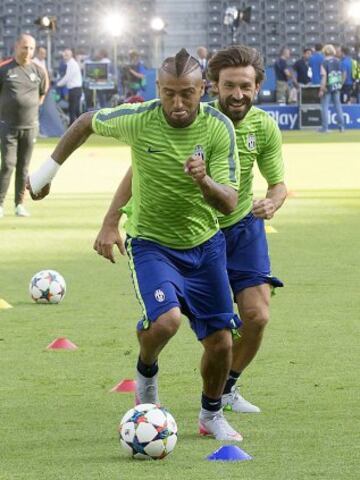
(125, 386)
(61, 343)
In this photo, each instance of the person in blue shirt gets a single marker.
(315, 62)
(346, 67)
(134, 75)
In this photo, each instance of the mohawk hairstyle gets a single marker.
(182, 64)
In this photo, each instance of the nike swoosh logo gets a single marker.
(150, 150)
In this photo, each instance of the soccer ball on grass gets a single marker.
(47, 286)
(148, 431)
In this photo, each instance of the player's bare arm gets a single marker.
(38, 183)
(275, 197)
(109, 234)
(221, 197)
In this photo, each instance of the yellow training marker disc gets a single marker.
(270, 229)
(4, 304)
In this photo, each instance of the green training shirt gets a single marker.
(167, 205)
(258, 140)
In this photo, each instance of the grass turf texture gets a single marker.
(58, 418)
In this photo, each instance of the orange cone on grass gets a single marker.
(61, 343)
(125, 386)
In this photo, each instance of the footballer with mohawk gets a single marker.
(180, 86)
(184, 167)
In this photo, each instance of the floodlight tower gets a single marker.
(232, 18)
(114, 25)
(48, 25)
(157, 25)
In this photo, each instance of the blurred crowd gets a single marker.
(307, 71)
(78, 89)
(77, 92)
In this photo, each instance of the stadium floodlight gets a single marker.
(46, 23)
(232, 18)
(157, 24)
(354, 11)
(114, 24)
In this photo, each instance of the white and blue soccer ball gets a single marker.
(148, 431)
(47, 286)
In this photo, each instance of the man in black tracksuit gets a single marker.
(23, 87)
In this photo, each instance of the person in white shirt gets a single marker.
(202, 57)
(72, 80)
(40, 59)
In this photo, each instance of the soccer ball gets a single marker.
(47, 286)
(148, 431)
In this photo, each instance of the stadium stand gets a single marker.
(280, 22)
(273, 23)
(78, 24)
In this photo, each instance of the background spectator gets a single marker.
(315, 62)
(346, 67)
(22, 89)
(302, 68)
(356, 77)
(40, 57)
(282, 75)
(133, 76)
(72, 80)
(203, 57)
(331, 82)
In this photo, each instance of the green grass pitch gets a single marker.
(58, 419)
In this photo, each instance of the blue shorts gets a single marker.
(195, 280)
(248, 261)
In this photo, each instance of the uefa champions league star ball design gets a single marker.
(148, 431)
(47, 286)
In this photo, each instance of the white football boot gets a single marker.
(216, 425)
(234, 402)
(20, 211)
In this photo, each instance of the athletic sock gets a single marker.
(210, 404)
(230, 382)
(147, 371)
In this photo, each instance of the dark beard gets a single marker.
(235, 116)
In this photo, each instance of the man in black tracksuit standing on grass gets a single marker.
(23, 86)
